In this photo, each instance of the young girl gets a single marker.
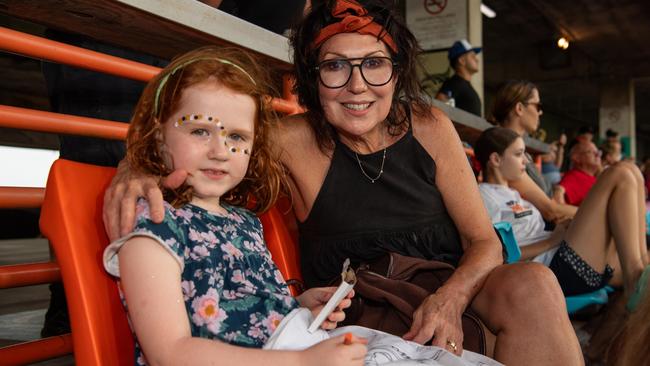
(580, 252)
(201, 287)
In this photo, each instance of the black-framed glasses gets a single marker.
(538, 105)
(375, 71)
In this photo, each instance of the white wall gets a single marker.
(25, 167)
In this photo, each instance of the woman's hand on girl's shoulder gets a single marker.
(121, 196)
(336, 352)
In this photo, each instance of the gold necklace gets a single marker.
(381, 168)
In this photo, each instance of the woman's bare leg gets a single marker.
(643, 246)
(615, 263)
(523, 306)
(610, 210)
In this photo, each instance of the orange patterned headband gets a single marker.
(354, 18)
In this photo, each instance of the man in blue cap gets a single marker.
(464, 60)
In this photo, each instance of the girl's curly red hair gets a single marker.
(265, 177)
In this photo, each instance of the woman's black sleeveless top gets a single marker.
(401, 212)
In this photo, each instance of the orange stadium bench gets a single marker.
(71, 218)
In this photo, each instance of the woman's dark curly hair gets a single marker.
(305, 59)
(265, 177)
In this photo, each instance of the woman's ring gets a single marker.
(452, 344)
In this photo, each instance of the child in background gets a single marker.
(580, 253)
(201, 288)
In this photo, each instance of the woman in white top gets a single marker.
(581, 253)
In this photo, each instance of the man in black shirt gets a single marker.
(464, 60)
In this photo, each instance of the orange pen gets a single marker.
(347, 339)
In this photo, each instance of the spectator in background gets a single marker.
(552, 161)
(611, 153)
(517, 106)
(464, 60)
(611, 137)
(605, 240)
(585, 166)
(585, 133)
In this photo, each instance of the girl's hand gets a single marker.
(121, 196)
(315, 298)
(440, 318)
(335, 352)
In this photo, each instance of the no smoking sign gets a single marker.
(435, 7)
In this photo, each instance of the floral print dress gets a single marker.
(233, 291)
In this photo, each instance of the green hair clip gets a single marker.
(163, 81)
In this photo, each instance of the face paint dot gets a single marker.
(233, 149)
(210, 119)
(183, 118)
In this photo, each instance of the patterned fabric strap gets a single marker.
(353, 18)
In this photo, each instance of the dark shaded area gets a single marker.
(19, 223)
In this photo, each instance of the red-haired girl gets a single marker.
(201, 287)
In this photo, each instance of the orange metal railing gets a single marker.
(21, 197)
(37, 47)
(30, 119)
(18, 275)
(41, 48)
(30, 352)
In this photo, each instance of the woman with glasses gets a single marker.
(517, 106)
(373, 168)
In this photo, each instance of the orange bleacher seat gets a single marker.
(71, 218)
(281, 238)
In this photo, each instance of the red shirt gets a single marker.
(576, 184)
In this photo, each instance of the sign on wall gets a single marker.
(437, 24)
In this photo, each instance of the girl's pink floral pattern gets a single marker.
(232, 290)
